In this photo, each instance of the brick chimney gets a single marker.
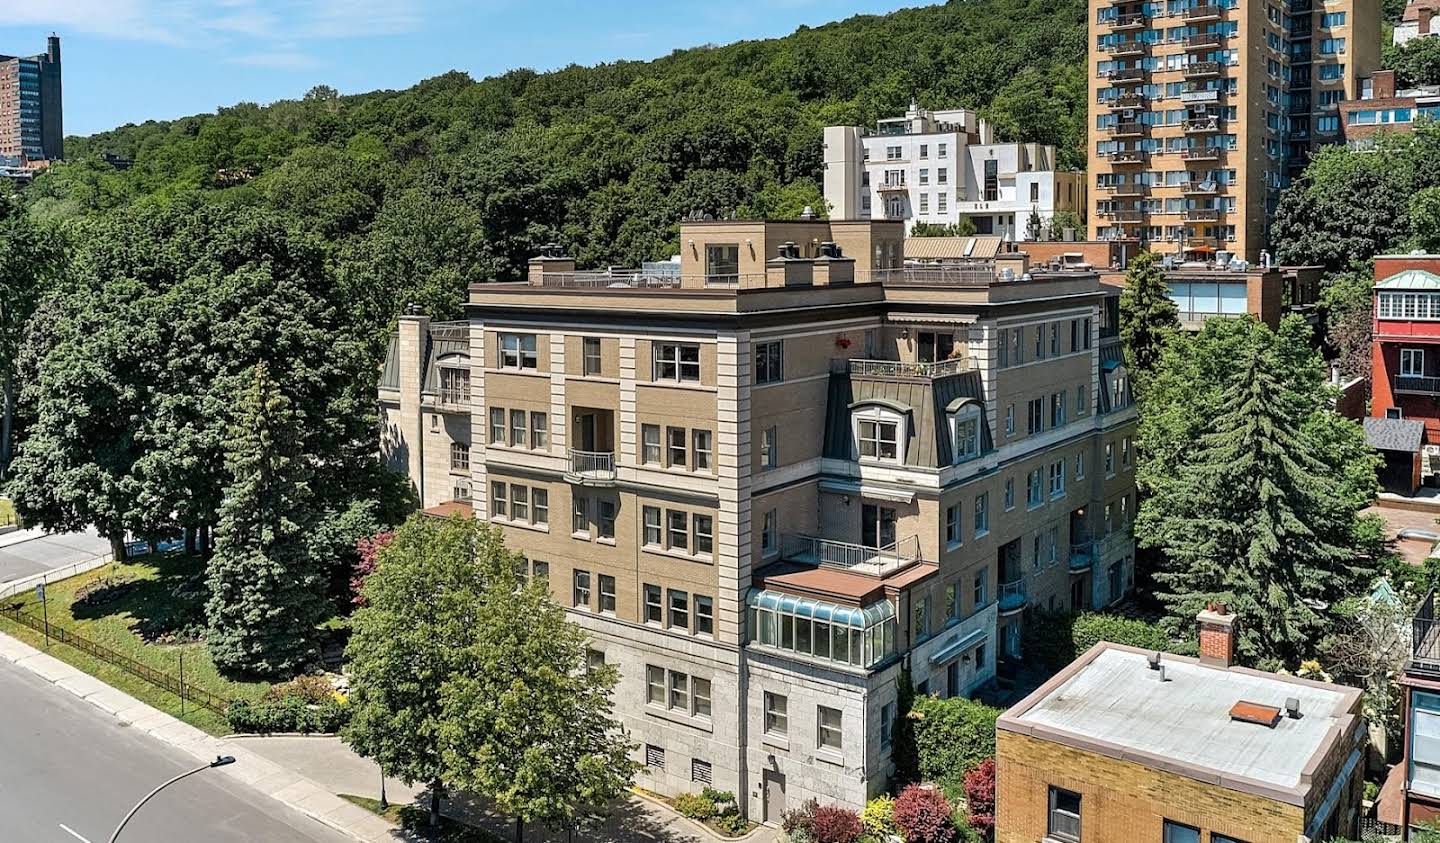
(1422, 19)
(1382, 84)
(1217, 635)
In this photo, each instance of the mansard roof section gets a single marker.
(924, 394)
(447, 343)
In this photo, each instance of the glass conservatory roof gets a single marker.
(859, 617)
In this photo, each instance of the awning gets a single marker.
(1199, 248)
(867, 490)
(961, 644)
(931, 318)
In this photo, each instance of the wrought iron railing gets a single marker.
(898, 369)
(1082, 555)
(865, 559)
(1417, 383)
(1012, 596)
(599, 465)
(1425, 637)
(978, 274)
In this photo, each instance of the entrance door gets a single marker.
(773, 784)
(585, 424)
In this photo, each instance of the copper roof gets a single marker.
(449, 508)
(839, 585)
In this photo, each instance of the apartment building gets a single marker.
(767, 482)
(1126, 745)
(1405, 370)
(31, 119)
(944, 166)
(1201, 111)
(1384, 108)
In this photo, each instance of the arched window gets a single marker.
(880, 432)
(965, 432)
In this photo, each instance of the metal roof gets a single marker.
(928, 443)
(1394, 434)
(852, 616)
(980, 247)
(1410, 279)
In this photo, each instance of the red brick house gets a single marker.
(1405, 362)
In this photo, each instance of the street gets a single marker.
(28, 552)
(69, 771)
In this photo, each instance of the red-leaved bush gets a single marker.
(924, 815)
(369, 549)
(980, 796)
(834, 824)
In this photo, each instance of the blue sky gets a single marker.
(132, 60)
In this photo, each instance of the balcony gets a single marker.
(1128, 101)
(1202, 125)
(1082, 556)
(1128, 157)
(591, 468)
(1123, 23)
(1201, 153)
(1130, 47)
(1127, 215)
(898, 369)
(892, 186)
(1200, 95)
(1012, 597)
(1424, 640)
(1129, 189)
(1199, 188)
(855, 558)
(1201, 13)
(1127, 76)
(1201, 69)
(1202, 41)
(1202, 215)
(1417, 385)
(1128, 130)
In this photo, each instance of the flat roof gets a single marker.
(1109, 701)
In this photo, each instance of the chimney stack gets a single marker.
(1217, 635)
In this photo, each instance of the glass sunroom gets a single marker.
(851, 635)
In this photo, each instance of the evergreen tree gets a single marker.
(1147, 315)
(266, 592)
(1034, 225)
(1260, 510)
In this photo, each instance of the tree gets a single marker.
(980, 797)
(1148, 316)
(526, 722)
(32, 261)
(408, 641)
(1254, 486)
(1425, 220)
(1034, 225)
(952, 736)
(267, 593)
(1415, 62)
(963, 228)
(1347, 300)
(1369, 648)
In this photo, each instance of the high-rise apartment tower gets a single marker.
(32, 124)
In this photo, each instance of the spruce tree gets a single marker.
(1253, 516)
(1147, 314)
(266, 592)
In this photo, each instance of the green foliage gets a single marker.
(1057, 638)
(1416, 62)
(1254, 485)
(32, 261)
(695, 806)
(266, 591)
(1148, 316)
(952, 736)
(1425, 219)
(879, 817)
(903, 751)
(288, 714)
(963, 228)
(1347, 300)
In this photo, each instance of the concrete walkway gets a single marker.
(328, 762)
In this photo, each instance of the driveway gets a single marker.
(25, 553)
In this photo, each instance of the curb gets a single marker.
(264, 776)
(704, 829)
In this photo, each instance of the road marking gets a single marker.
(73, 833)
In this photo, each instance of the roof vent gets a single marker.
(788, 249)
(1292, 708)
(1249, 712)
(808, 214)
(830, 249)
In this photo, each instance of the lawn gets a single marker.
(7, 512)
(416, 820)
(150, 609)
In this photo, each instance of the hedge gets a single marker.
(952, 736)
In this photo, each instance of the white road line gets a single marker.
(73, 833)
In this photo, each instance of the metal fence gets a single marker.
(160, 679)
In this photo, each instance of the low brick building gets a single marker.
(1384, 107)
(1125, 745)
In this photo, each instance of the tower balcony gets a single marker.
(1201, 69)
(591, 468)
(1012, 597)
(1202, 41)
(1202, 125)
(1129, 100)
(1128, 76)
(1202, 215)
(1129, 130)
(1128, 157)
(1128, 47)
(1125, 23)
(1195, 14)
(1201, 153)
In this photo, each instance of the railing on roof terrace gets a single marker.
(640, 280)
(858, 558)
(899, 369)
(1425, 638)
(1417, 383)
(976, 274)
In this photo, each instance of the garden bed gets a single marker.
(714, 809)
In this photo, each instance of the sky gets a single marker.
(127, 61)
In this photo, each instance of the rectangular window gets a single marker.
(459, 456)
(702, 448)
(982, 514)
(580, 596)
(1064, 823)
(676, 362)
(580, 516)
(1180, 833)
(540, 501)
(1412, 363)
(953, 528)
(590, 355)
(1057, 408)
(679, 528)
(704, 615)
(520, 502)
(497, 426)
(1036, 421)
(1009, 493)
(942, 176)
(498, 497)
(651, 518)
(829, 734)
(539, 429)
(650, 444)
(704, 527)
(541, 571)
(654, 685)
(722, 262)
(769, 362)
(1125, 452)
(700, 700)
(607, 593)
(1080, 465)
(878, 439)
(679, 611)
(769, 447)
(887, 724)
(769, 538)
(679, 687)
(1034, 488)
(777, 718)
(676, 446)
(518, 430)
(605, 515)
(978, 587)
(517, 351)
(654, 610)
(1010, 420)
(1109, 459)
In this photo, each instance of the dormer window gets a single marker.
(965, 432)
(879, 433)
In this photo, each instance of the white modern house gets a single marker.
(942, 166)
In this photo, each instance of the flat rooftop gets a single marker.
(1111, 702)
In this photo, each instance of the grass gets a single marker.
(150, 609)
(7, 511)
(416, 820)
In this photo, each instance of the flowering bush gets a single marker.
(799, 823)
(879, 817)
(980, 796)
(923, 815)
(834, 824)
(369, 550)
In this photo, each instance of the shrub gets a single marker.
(879, 817)
(312, 689)
(924, 815)
(980, 797)
(834, 824)
(291, 714)
(799, 823)
(952, 736)
(695, 806)
(732, 823)
(724, 800)
(1091, 628)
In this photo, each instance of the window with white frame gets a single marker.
(1412, 362)
(702, 450)
(769, 447)
(1057, 479)
(679, 362)
(580, 516)
(829, 734)
(769, 537)
(965, 429)
(650, 518)
(954, 529)
(982, 514)
(539, 430)
(878, 434)
(580, 596)
(459, 456)
(590, 355)
(777, 717)
(650, 444)
(497, 426)
(518, 351)
(769, 362)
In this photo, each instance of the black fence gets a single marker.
(160, 679)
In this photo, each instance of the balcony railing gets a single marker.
(1202, 40)
(590, 468)
(1201, 69)
(1200, 95)
(1417, 384)
(459, 397)
(979, 274)
(1012, 596)
(899, 369)
(857, 558)
(1201, 153)
(1199, 188)
(1127, 215)
(1195, 13)
(1425, 639)
(892, 186)
(1126, 48)
(1128, 100)
(1128, 156)
(1124, 130)
(1202, 124)
(1128, 74)
(1134, 21)
(1082, 556)
(1202, 215)
(1130, 189)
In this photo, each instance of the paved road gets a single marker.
(31, 552)
(64, 762)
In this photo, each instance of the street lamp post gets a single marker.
(220, 761)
